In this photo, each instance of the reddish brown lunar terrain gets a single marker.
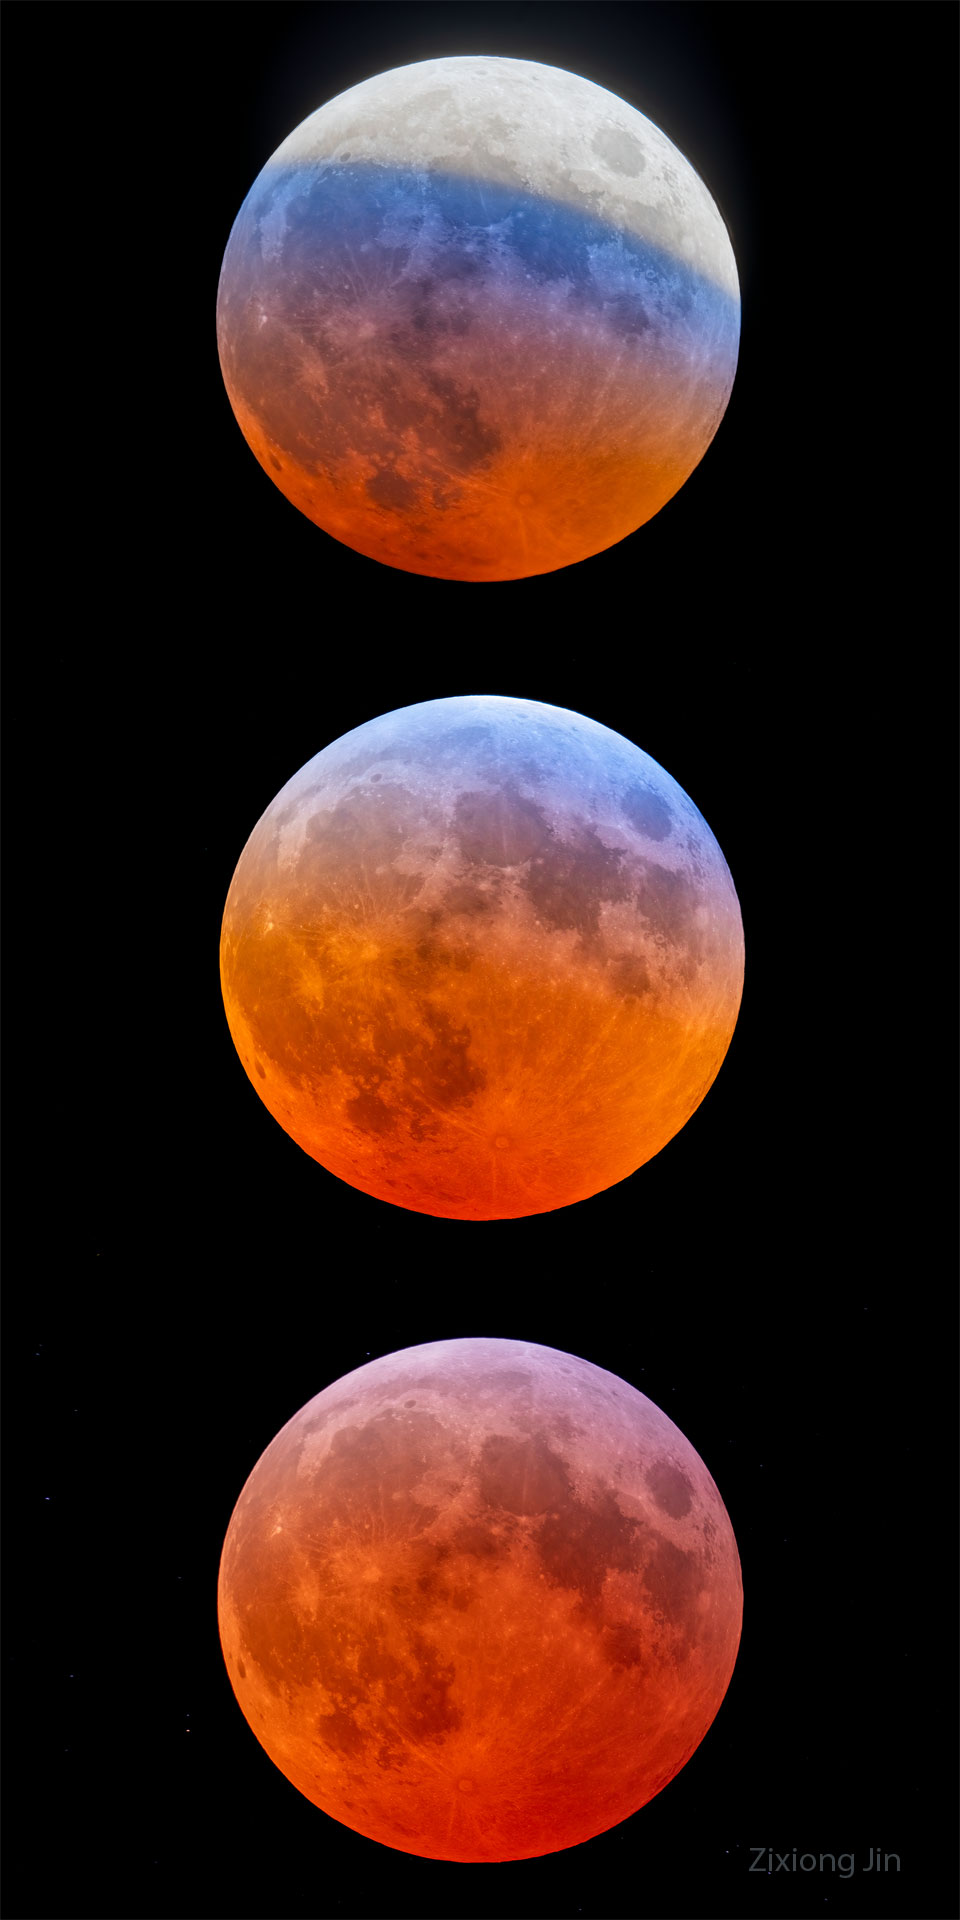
(480, 1600)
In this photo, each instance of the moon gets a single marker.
(481, 957)
(480, 1600)
(478, 318)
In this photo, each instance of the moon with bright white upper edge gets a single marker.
(478, 318)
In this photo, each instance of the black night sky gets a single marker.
(180, 1278)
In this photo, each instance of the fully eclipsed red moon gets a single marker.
(482, 957)
(478, 318)
(480, 1600)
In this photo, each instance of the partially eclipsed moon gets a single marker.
(478, 318)
(481, 957)
(480, 1600)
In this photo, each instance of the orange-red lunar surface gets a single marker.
(481, 957)
(480, 1600)
(478, 318)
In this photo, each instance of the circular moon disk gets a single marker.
(480, 1600)
(478, 318)
(481, 957)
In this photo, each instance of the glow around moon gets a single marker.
(478, 318)
(480, 1600)
(481, 957)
